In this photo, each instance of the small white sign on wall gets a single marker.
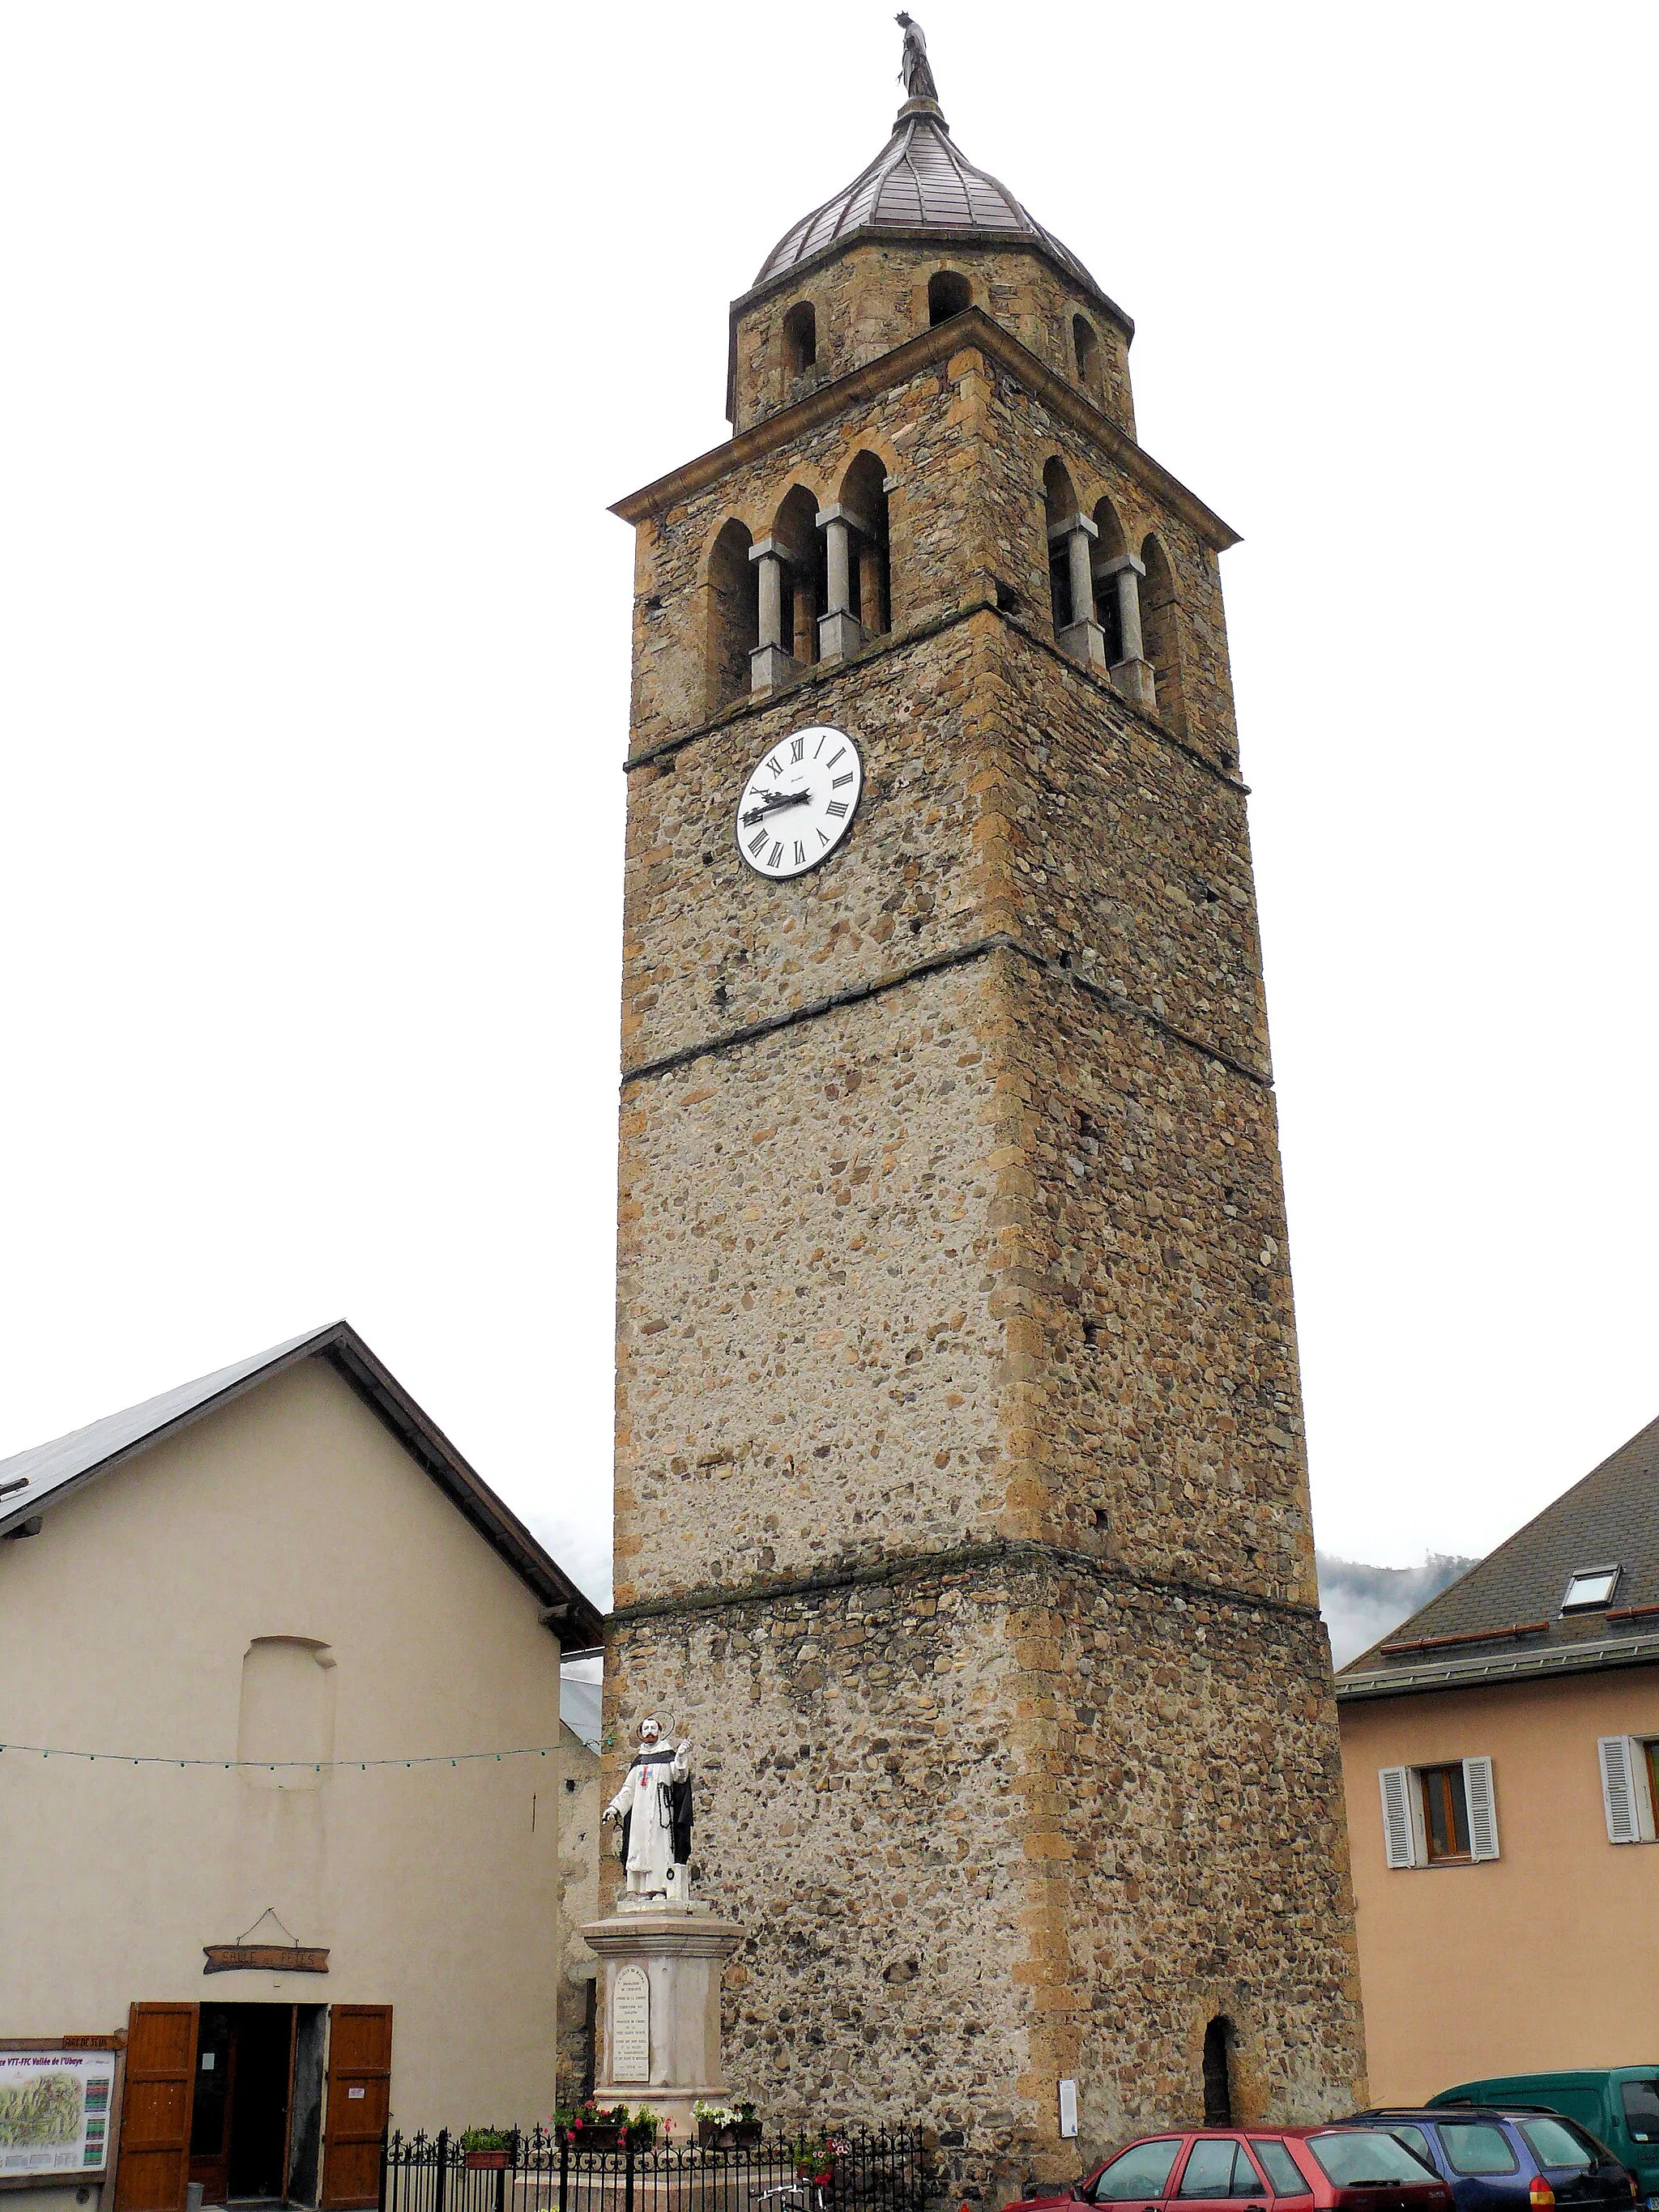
(630, 2026)
(1068, 2108)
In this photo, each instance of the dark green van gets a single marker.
(1619, 2104)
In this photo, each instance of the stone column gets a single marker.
(771, 663)
(1082, 637)
(1133, 674)
(840, 630)
(659, 2013)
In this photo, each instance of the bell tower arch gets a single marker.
(962, 1510)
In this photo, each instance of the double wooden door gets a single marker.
(239, 2125)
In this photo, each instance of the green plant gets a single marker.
(486, 2139)
(642, 2125)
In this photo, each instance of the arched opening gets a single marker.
(1218, 2072)
(285, 1726)
(800, 339)
(1160, 633)
(801, 544)
(1116, 608)
(949, 294)
(1060, 507)
(864, 495)
(1087, 347)
(733, 615)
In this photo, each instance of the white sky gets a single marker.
(331, 331)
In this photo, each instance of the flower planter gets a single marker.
(734, 2135)
(600, 2135)
(485, 2162)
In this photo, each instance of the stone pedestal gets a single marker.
(658, 2011)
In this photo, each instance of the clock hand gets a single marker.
(774, 801)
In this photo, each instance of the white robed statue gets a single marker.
(654, 1807)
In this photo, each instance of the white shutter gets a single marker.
(1399, 1839)
(1626, 1798)
(1483, 1808)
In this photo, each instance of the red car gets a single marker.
(1327, 2169)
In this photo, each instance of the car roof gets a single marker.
(1486, 2107)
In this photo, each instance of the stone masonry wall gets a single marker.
(1006, 1820)
(872, 297)
(807, 1348)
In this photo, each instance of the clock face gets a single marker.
(800, 802)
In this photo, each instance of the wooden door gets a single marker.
(359, 2100)
(155, 2109)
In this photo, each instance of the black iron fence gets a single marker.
(857, 2170)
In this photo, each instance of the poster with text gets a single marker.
(54, 2111)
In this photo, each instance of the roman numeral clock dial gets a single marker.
(800, 802)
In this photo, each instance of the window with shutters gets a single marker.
(1630, 1784)
(1443, 1815)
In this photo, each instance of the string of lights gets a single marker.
(279, 1765)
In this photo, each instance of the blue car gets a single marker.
(1511, 2158)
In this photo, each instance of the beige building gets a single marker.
(1498, 1753)
(314, 1870)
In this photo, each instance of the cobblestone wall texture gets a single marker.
(962, 1512)
(870, 298)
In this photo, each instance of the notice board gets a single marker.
(54, 2112)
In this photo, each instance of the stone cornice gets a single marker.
(938, 964)
(971, 330)
(827, 672)
(961, 1558)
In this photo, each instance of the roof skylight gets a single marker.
(1589, 1589)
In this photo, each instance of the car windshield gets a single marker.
(1143, 2170)
(1641, 2100)
(1351, 2157)
(1477, 2147)
(1554, 2142)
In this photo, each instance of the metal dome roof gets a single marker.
(920, 181)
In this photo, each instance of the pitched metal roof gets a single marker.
(1504, 1619)
(582, 1708)
(32, 1481)
(920, 181)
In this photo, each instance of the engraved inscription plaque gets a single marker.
(630, 2026)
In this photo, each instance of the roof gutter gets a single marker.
(1506, 1667)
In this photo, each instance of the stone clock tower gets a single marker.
(961, 1508)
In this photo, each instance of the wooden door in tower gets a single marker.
(155, 2109)
(359, 2099)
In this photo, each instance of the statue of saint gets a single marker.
(915, 75)
(654, 1809)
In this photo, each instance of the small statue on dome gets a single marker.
(915, 75)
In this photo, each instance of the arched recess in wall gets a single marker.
(1160, 633)
(285, 1721)
(1058, 506)
(801, 542)
(863, 494)
(1218, 2072)
(1106, 559)
(949, 292)
(1085, 348)
(733, 615)
(800, 339)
